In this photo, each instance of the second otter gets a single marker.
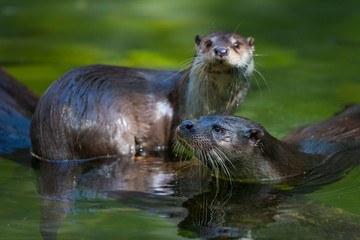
(239, 149)
(109, 110)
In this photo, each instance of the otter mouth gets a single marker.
(185, 144)
(183, 141)
(220, 65)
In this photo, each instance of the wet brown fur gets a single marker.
(244, 150)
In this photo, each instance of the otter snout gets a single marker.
(187, 124)
(185, 132)
(221, 52)
(185, 129)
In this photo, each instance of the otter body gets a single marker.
(239, 149)
(103, 110)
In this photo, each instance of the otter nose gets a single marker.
(221, 51)
(187, 124)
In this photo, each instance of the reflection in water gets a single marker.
(249, 211)
(56, 185)
(201, 206)
(125, 179)
(230, 211)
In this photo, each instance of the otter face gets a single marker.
(227, 144)
(218, 130)
(220, 74)
(223, 50)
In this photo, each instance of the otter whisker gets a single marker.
(220, 162)
(261, 76)
(214, 165)
(178, 150)
(186, 73)
(233, 88)
(236, 28)
(206, 159)
(187, 61)
(223, 159)
(223, 156)
(230, 90)
(260, 55)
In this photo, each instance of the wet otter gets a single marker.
(110, 110)
(240, 149)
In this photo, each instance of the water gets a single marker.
(308, 54)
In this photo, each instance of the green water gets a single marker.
(307, 56)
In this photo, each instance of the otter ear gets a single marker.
(255, 135)
(250, 41)
(198, 39)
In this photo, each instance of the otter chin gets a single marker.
(239, 149)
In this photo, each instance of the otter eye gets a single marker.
(208, 43)
(237, 45)
(217, 129)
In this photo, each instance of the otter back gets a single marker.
(103, 110)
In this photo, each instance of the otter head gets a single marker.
(224, 50)
(229, 145)
(220, 74)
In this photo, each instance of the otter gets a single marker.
(101, 110)
(236, 148)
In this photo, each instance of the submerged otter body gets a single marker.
(109, 110)
(239, 149)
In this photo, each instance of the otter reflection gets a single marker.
(62, 183)
(253, 210)
(230, 210)
(258, 211)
